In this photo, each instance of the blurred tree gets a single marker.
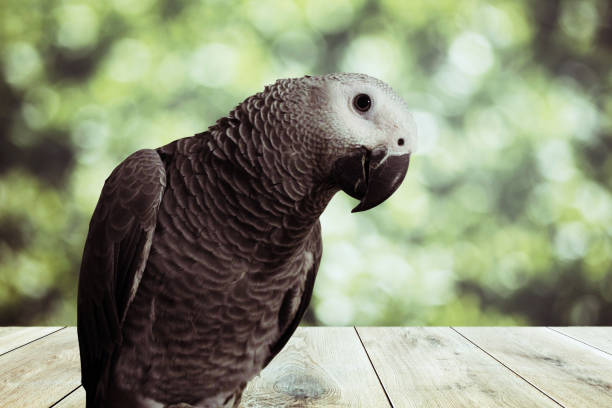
(504, 217)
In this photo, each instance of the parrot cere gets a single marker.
(202, 254)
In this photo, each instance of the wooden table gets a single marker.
(364, 367)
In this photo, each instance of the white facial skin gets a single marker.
(387, 123)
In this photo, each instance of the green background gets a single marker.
(504, 216)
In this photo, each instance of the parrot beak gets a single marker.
(370, 176)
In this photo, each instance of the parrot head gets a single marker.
(367, 130)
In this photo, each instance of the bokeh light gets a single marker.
(505, 216)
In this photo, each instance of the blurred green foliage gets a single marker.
(505, 214)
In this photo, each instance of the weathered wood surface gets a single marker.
(320, 368)
(13, 337)
(75, 399)
(572, 373)
(36, 374)
(364, 367)
(600, 337)
(435, 366)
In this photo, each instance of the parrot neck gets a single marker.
(267, 164)
(251, 193)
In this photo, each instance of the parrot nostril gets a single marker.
(400, 141)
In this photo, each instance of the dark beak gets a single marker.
(370, 176)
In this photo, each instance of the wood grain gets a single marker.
(436, 367)
(328, 367)
(40, 373)
(574, 374)
(600, 337)
(13, 337)
(319, 367)
(75, 399)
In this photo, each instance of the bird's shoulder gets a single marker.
(116, 250)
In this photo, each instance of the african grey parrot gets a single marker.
(202, 254)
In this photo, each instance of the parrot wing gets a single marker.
(115, 255)
(314, 246)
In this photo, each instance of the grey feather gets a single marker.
(202, 255)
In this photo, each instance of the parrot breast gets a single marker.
(219, 272)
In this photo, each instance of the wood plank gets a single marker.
(76, 399)
(319, 367)
(13, 337)
(40, 373)
(572, 373)
(600, 337)
(436, 367)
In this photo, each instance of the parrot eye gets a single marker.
(362, 102)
